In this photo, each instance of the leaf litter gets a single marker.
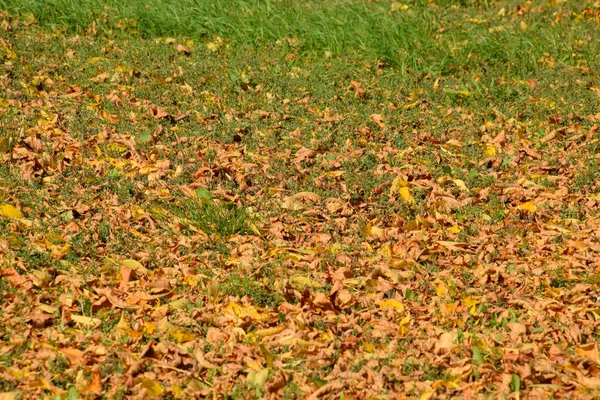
(206, 247)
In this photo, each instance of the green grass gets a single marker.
(211, 217)
(413, 36)
(262, 295)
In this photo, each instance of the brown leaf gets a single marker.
(308, 197)
(322, 301)
(358, 92)
(378, 119)
(182, 49)
(100, 77)
(158, 113)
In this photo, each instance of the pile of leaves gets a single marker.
(183, 219)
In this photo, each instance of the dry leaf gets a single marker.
(184, 50)
(378, 119)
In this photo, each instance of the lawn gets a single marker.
(299, 199)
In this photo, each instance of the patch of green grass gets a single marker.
(7, 386)
(237, 285)
(420, 37)
(110, 366)
(211, 216)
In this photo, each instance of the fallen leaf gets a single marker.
(392, 304)
(489, 150)
(10, 211)
(182, 49)
(460, 185)
(406, 196)
(257, 379)
(303, 282)
(527, 206)
(378, 119)
(100, 77)
(85, 320)
(153, 388)
(134, 265)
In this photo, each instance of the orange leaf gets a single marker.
(184, 50)
(378, 119)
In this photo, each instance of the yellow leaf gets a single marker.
(386, 251)
(137, 212)
(406, 196)
(398, 183)
(178, 304)
(453, 229)
(489, 150)
(150, 327)
(153, 388)
(460, 185)
(305, 282)
(134, 265)
(10, 211)
(412, 105)
(404, 324)
(122, 326)
(441, 289)
(117, 147)
(181, 336)
(214, 46)
(147, 169)
(523, 25)
(368, 347)
(377, 231)
(4, 145)
(47, 309)
(41, 383)
(395, 6)
(95, 60)
(392, 303)
(454, 143)
(426, 395)
(528, 206)
(234, 309)
(214, 290)
(41, 278)
(165, 326)
(267, 355)
(177, 391)
(261, 333)
(257, 379)
(89, 321)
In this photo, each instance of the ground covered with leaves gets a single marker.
(196, 216)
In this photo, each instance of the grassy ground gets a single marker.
(284, 199)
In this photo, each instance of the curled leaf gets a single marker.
(378, 119)
(406, 196)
